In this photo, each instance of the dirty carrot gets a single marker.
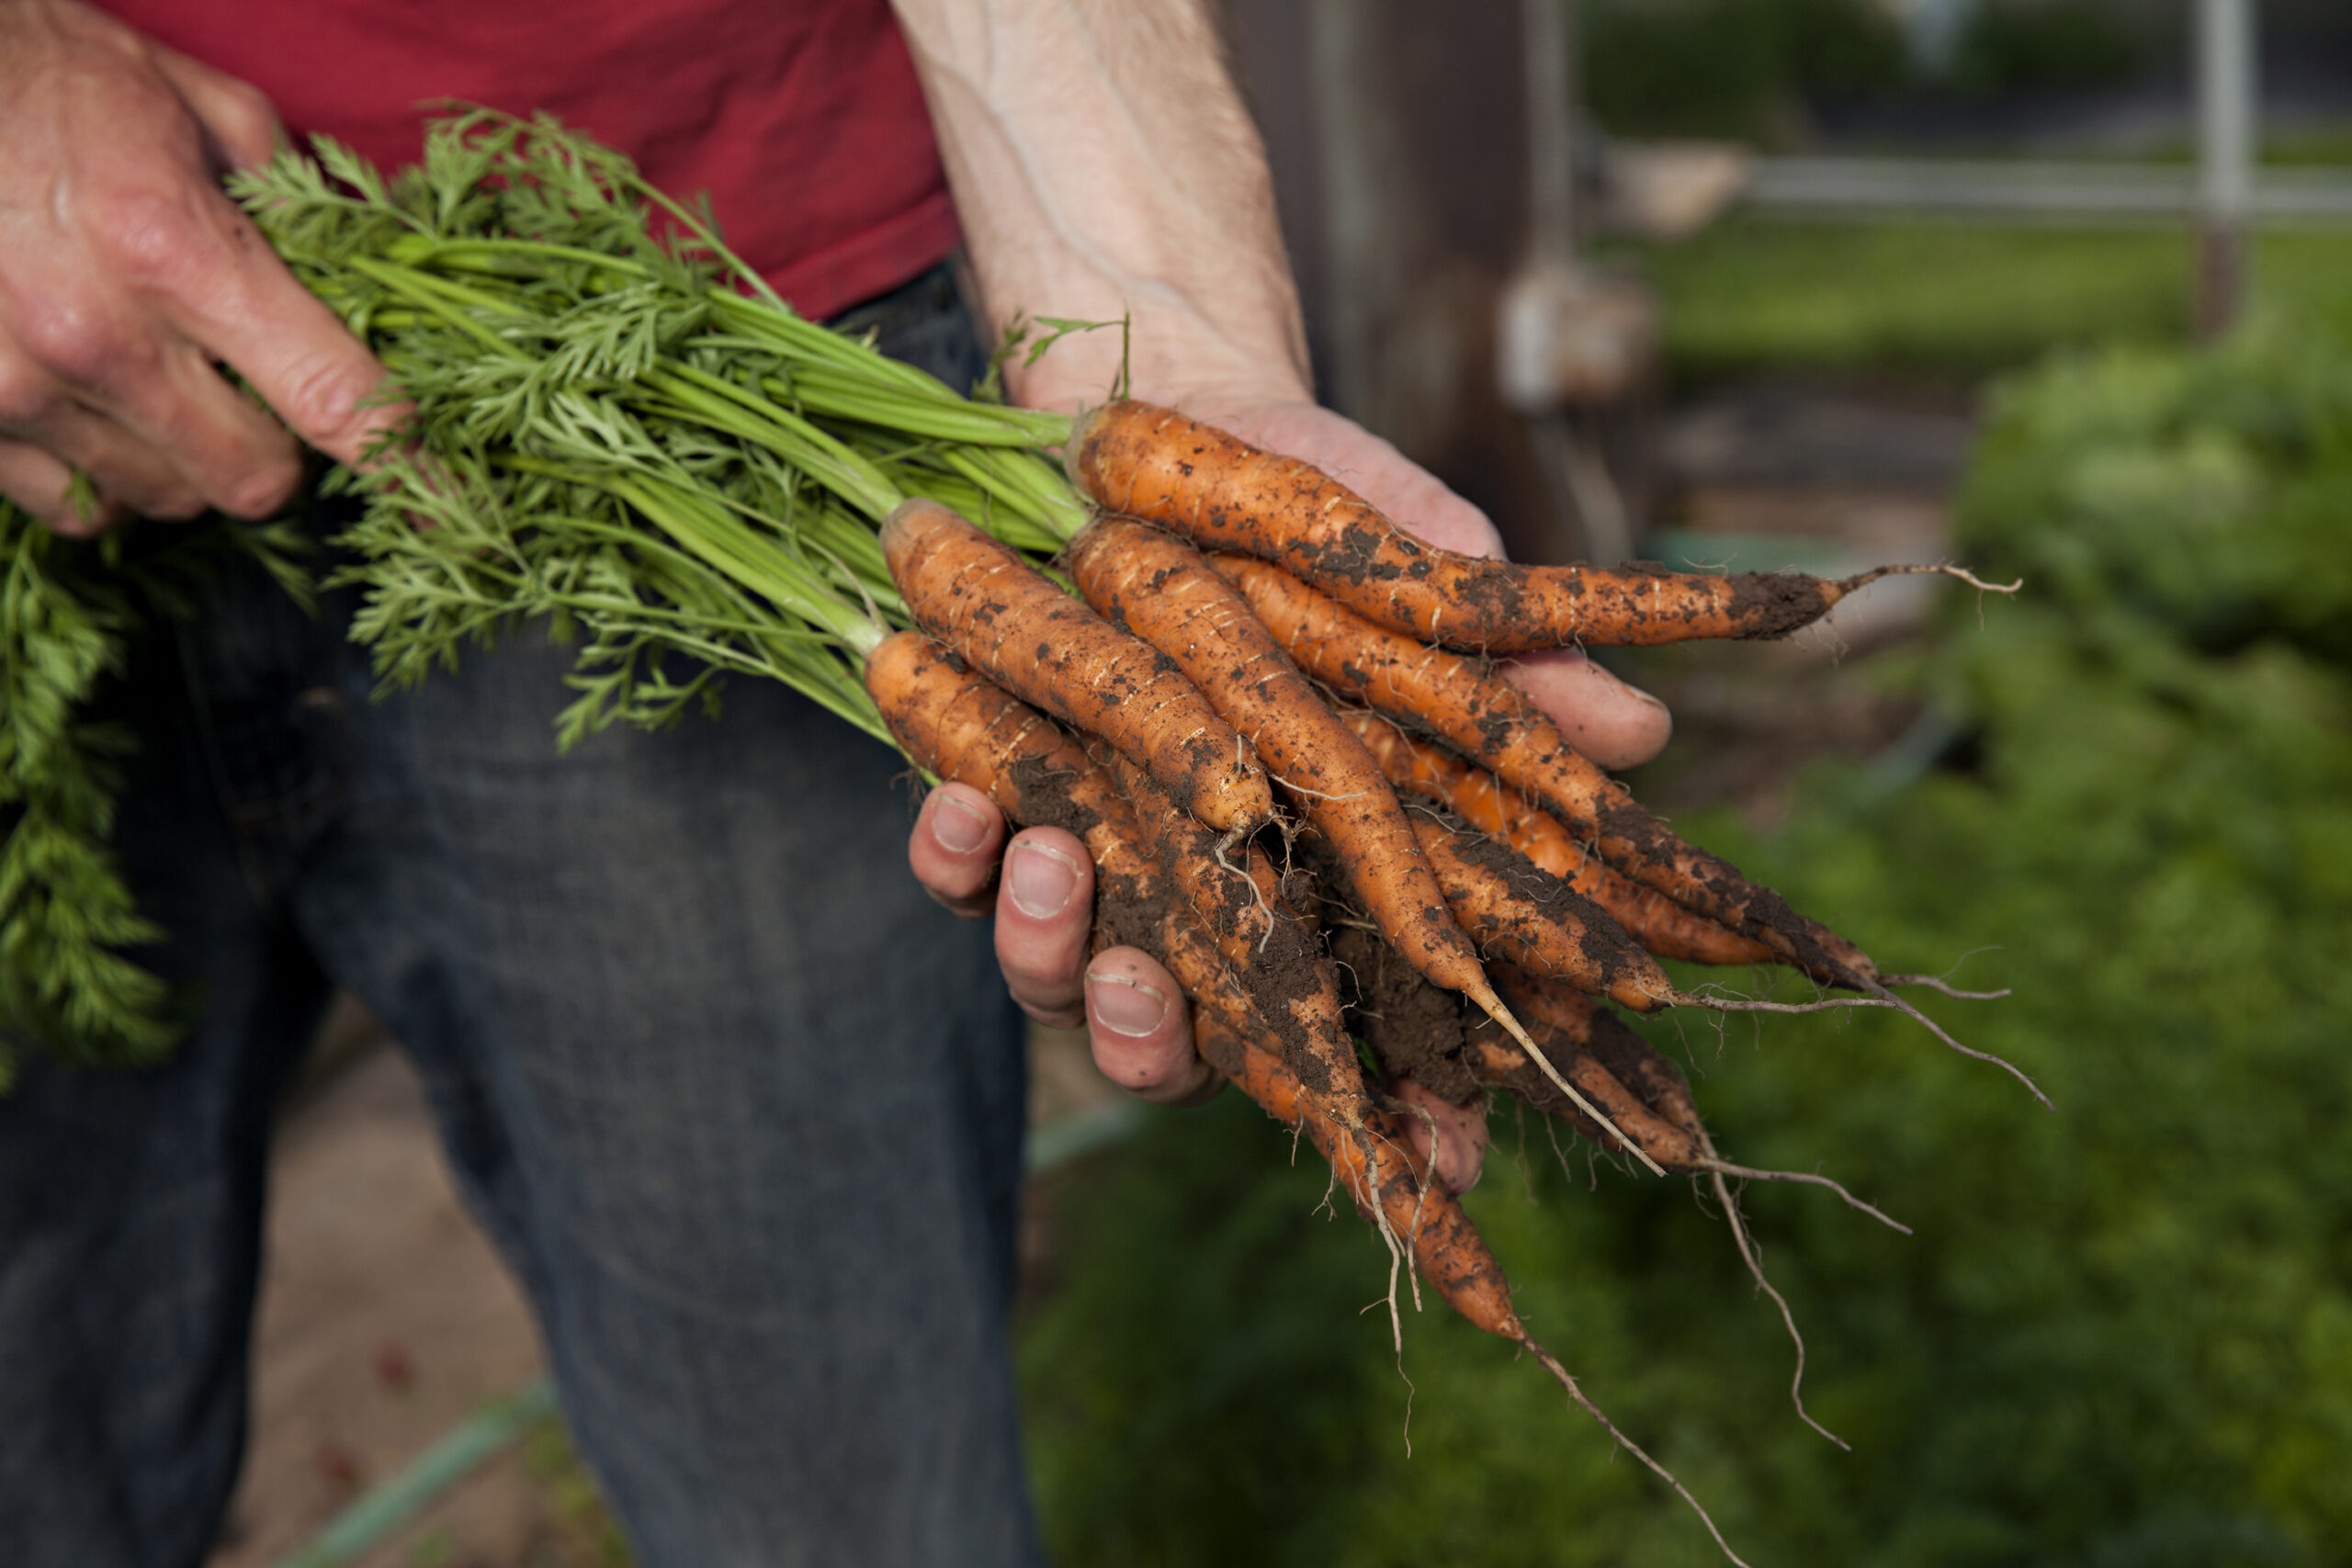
(1160, 588)
(1664, 927)
(1584, 1025)
(1228, 495)
(1445, 1244)
(994, 609)
(1567, 1014)
(1532, 918)
(956, 722)
(1498, 1061)
(1465, 702)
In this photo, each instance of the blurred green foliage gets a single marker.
(1947, 302)
(1734, 68)
(2211, 496)
(2122, 1334)
(2040, 46)
(1761, 70)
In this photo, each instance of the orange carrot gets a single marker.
(953, 721)
(1664, 927)
(1562, 1013)
(1227, 495)
(1582, 1024)
(958, 724)
(1161, 589)
(1533, 919)
(1464, 702)
(1579, 1020)
(1046, 647)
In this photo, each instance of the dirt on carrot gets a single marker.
(992, 608)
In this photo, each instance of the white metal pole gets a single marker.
(2226, 153)
(1551, 129)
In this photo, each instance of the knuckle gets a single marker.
(48, 505)
(153, 238)
(71, 338)
(176, 505)
(966, 906)
(1051, 1016)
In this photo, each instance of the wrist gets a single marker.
(1203, 356)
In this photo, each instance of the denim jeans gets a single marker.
(739, 1104)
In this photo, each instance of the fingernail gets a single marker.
(1124, 1006)
(957, 827)
(1626, 686)
(1041, 880)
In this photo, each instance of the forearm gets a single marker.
(1103, 165)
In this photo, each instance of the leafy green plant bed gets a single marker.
(1945, 302)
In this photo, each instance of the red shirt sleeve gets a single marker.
(803, 122)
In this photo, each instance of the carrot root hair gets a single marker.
(1940, 568)
(1932, 1027)
(1715, 1165)
(1681, 999)
(1739, 1238)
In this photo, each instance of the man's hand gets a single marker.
(126, 279)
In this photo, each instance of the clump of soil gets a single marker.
(1413, 1028)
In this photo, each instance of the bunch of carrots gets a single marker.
(1269, 712)
(1259, 671)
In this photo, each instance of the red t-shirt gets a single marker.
(803, 121)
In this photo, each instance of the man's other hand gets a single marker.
(128, 280)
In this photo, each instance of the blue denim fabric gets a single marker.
(741, 1107)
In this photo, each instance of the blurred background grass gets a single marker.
(1944, 304)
